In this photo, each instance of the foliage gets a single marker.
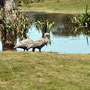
(15, 28)
(2, 15)
(44, 26)
(82, 23)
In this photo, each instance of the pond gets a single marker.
(62, 38)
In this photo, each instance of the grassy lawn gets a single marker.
(44, 71)
(64, 6)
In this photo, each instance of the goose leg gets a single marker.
(39, 49)
(33, 49)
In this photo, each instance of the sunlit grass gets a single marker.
(64, 6)
(44, 71)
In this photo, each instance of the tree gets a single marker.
(9, 5)
(14, 25)
(2, 3)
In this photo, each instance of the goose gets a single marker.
(39, 43)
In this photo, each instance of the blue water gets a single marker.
(63, 45)
(0, 46)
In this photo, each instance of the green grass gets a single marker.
(44, 71)
(64, 6)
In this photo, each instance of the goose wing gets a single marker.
(39, 42)
(24, 43)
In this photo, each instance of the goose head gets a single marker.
(46, 34)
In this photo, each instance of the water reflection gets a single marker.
(62, 26)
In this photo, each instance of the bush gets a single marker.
(82, 23)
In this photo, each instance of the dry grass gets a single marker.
(44, 71)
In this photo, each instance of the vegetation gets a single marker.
(82, 24)
(44, 71)
(14, 28)
(44, 26)
(63, 6)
